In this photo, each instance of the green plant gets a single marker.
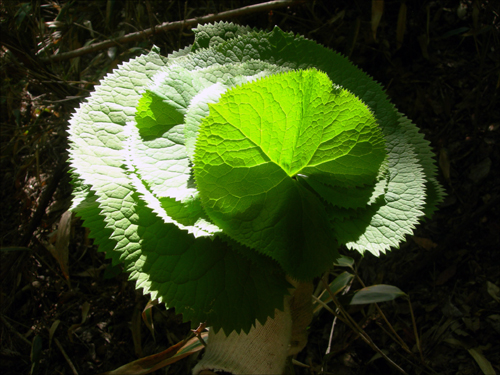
(248, 156)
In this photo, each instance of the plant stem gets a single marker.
(389, 325)
(356, 328)
(415, 332)
(197, 332)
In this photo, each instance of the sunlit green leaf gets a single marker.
(248, 156)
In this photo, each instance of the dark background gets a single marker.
(438, 60)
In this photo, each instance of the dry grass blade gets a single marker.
(401, 27)
(154, 362)
(74, 327)
(147, 316)
(377, 12)
(135, 327)
(476, 353)
(62, 242)
(52, 330)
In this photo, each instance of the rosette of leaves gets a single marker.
(248, 156)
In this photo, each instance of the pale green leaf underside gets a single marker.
(167, 122)
(166, 261)
(211, 35)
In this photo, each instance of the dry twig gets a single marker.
(132, 37)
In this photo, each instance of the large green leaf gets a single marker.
(410, 168)
(161, 144)
(244, 157)
(264, 136)
(199, 277)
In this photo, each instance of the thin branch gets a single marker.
(170, 26)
